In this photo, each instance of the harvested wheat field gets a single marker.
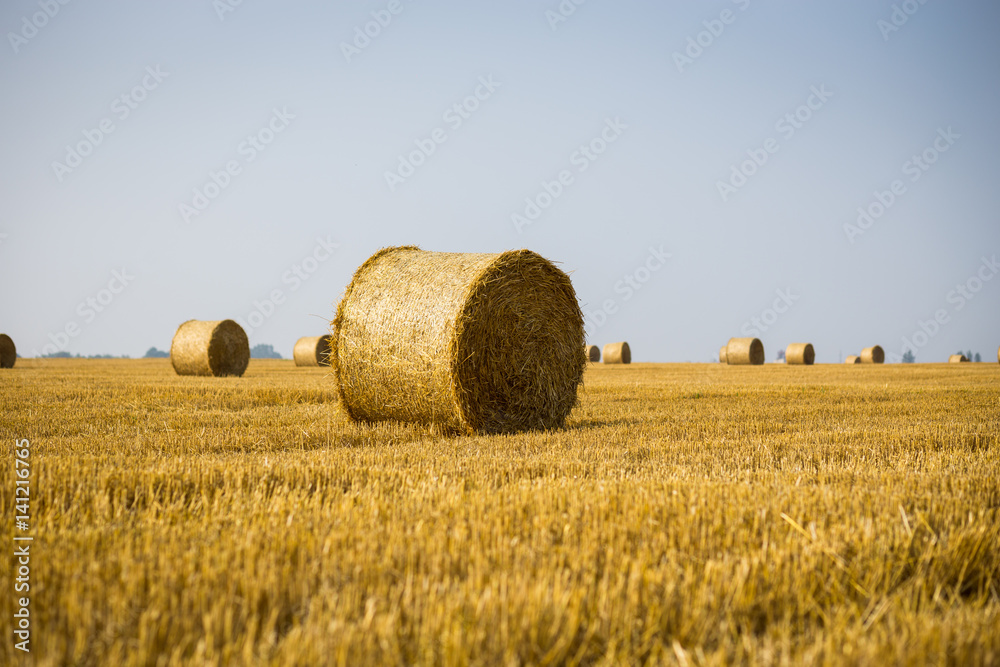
(692, 514)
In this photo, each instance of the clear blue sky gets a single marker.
(115, 113)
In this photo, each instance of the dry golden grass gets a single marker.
(688, 514)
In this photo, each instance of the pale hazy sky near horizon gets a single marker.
(698, 168)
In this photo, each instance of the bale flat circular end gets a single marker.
(476, 343)
(957, 358)
(312, 351)
(800, 353)
(617, 353)
(872, 355)
(8, 352)
(853, 359)
(216, 348)
(593, 354)
(722, 355)
(744, 352)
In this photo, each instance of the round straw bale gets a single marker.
(593, 353)
(475, 343)
(8, 353)
(744, 351)
(312, 351)
(617, 353)
(210, 348)
(872, 355)
(800, 353)
(957, 358)
(722, 355)
(853, 359)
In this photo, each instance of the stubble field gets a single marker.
(688, 514)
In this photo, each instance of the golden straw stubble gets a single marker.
(800, 353)
(312, 351)
(216, 348)
(617, 353)
(474, 343)
(593, 354)
(873, 355)
(957, 358)
(8, 352)
(744, 352)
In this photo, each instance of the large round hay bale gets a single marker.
(957, 358)
(617, 353)
(476, 343)
(722, 355)
(593, 354)
(872, 355)
(312, 351)
(8, 352)
(800, 353)
(744, 351)
(210, 348)
(853, 359)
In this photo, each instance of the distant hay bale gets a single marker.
(312, 351)
(617, 353)
(744, 352)
(957, 358)
(475, 343)
(8, 353)
(593, 354)
(722, 355)
(872, 355)
(853, 359)
(210, 348)
(800, 353)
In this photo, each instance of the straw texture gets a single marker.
(744, 352)
(474, 343)
(593, 354)
(210, 348)
(872, 355)
(800, 353)
(617, 353)
(853, 359)
(312, 351)
(722, 355)
(957, 358)
(8, 353)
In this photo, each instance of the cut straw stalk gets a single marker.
(617, 353)
(744, 352)
(216, 348)
(800, 353)
(312, 351)
(475, 343)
